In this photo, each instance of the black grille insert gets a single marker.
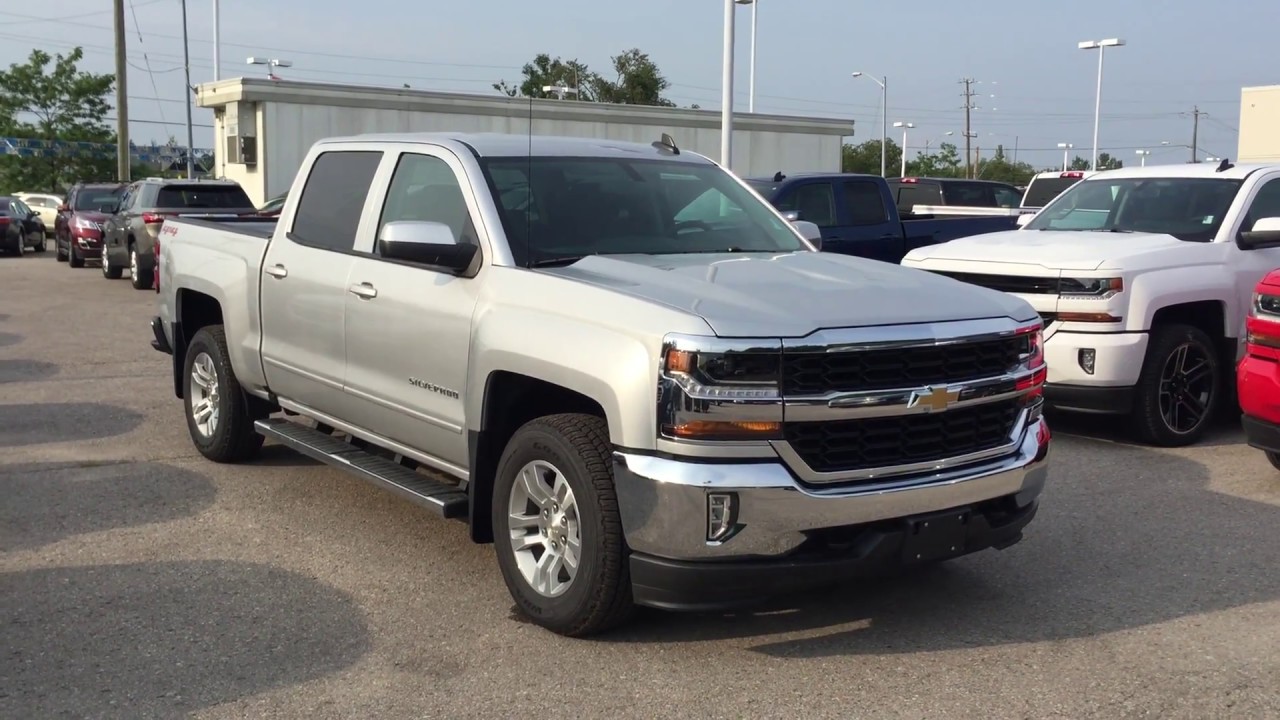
(820, 373)
(848, 445)
(1028, 285)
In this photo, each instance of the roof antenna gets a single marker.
(779, 177)
(1224, 166)
(667, 143)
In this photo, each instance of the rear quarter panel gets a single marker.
(227, 267)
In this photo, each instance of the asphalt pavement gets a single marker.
(139, 580)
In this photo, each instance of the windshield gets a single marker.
(1190, 209)
(97, 199)
(577, 206)
(1042, 191)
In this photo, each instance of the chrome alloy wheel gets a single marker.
(1186, 388)
(204, 400)
(133, 262)
(544, 528)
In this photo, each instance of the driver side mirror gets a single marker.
(426, 243)
(1265, 234)
(809, 232)
(64, 208)
(791, 215)
(1025, 218)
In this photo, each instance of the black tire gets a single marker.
(1151, 417)
(599, 596)
(76, 260)
(42, 245)
(62, 256)
(1274, 459)
(140, 280)
(20, 247)
(233, 438)
(109, 271)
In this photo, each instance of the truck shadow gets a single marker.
(1225, 429)
(36, 423)
(1125, 538)
(49, 502)
(26, 370)
(7, 339)
(163, 639)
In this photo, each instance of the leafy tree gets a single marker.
(865, 158)
(50, 99)
(944, 163)
(545, 71)
(639, 81)
(1106, 162)
(998, 167)
(1078, 163)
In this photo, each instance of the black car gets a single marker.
(20, 227)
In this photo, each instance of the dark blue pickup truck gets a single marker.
(858, 216)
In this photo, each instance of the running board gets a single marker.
(446, 499)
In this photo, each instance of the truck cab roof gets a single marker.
(518, 145)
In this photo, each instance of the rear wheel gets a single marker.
(558, 532)
(140, 281)
(219, 416)
(1179, 388)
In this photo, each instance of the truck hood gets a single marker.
(793, 294)
(1052, 250)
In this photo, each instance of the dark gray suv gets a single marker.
(129, 234)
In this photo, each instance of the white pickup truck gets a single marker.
(614, 360)
(1143, 277)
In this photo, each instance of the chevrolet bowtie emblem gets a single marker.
(934, 397)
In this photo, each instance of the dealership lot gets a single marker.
(140, 579)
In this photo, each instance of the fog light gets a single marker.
(1087, 358)
(722, 516)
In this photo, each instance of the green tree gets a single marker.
(998, 167)
(49, 99)
(1078, 163)
(1106, 162)
(944, 163)
(865, 158)
(546, 71)
(639, 81)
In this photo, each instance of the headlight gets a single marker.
(717, 390)
(1265, 305)
(83, 224)
(1100, 288)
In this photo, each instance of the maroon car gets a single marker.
(78, 229)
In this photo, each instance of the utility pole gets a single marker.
(186, 96)
(122, 98)
(1195, 129)
(968, 133)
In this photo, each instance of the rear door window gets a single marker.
(197, 196)
(912, 194)
(866, 203)
(333, 199)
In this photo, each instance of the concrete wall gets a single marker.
(1259, 124)
(291, 116)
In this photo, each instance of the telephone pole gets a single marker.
(1195, 129)
(122, 97)
(968, 134)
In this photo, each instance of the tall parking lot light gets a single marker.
(1101, 46)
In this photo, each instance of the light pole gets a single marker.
(884, 115)
(1101, 46)
(216, 43)
(905, 127)
(270, 63)
(560, 90)
(751, 84)
(186, 95)
(1143, 154)
(1066, 148)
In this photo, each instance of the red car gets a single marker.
(1258, 375)
(78, 229)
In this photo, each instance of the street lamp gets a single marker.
(905, 127)
(270, 63)
(1100, 46)
(884, 115)
(560, 90)
(726, 86)
(1066, 147)
(1143, 154)
(751, 83)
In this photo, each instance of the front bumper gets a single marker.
(791, 537)
(87, 246)
(1118, 358)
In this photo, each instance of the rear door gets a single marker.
(872, 231)
(409, 326)
(304, 281)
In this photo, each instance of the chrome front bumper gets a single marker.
(663, 502)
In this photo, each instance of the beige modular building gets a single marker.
(1259, 124)
(263, 128)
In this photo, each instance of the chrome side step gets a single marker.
(440, 496)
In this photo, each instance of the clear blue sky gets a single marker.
(1180, 53)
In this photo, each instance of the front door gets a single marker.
(871, 231)
(304, 282)
(1252, 265)
(408, 326)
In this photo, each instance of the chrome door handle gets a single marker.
(277, 271)
(365, 291)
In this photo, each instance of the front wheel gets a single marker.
(62, 256)
(1178, 389)
(42, 245)
(109, 271)
(140, 282)
(1274, 459)
(219, 416)
(558, 534)
(76, 260)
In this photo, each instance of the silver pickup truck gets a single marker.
(613, 360)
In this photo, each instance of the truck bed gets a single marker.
(252, 225)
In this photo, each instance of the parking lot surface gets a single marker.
(140, 580)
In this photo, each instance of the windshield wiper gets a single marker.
(1113, 230)
(556, 261)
